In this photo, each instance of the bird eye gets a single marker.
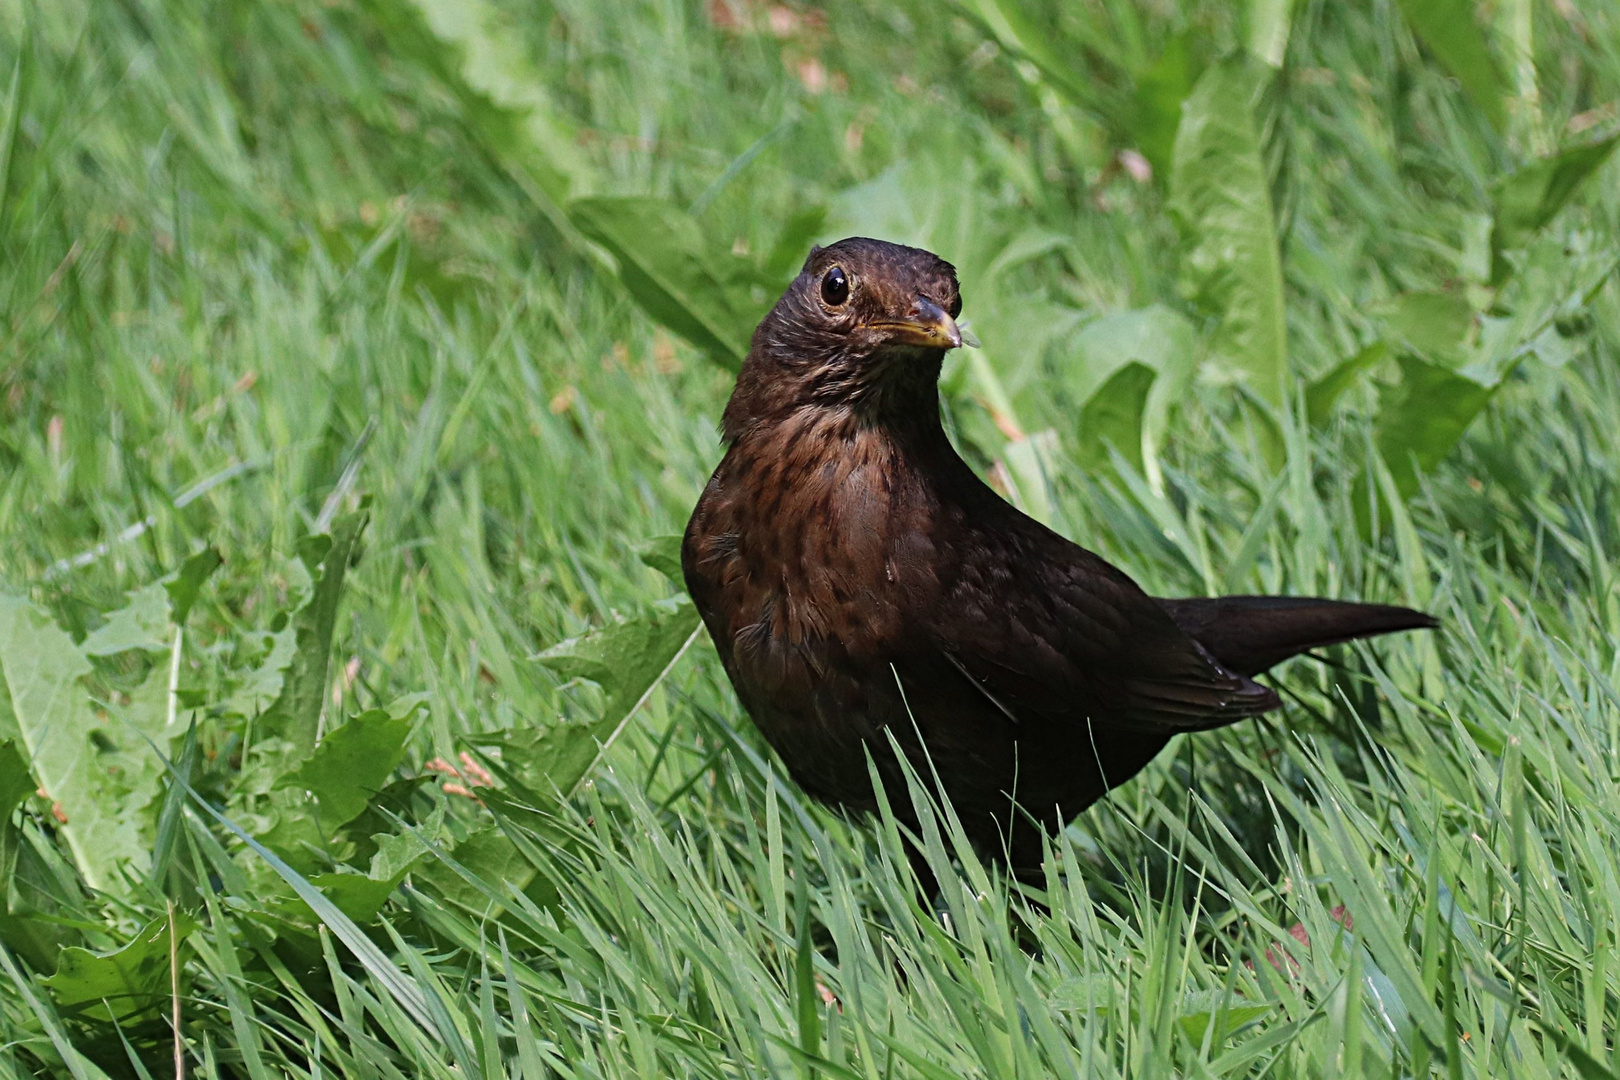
(835, 287)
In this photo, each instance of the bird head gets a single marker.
(864, 327)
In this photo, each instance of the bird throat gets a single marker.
(894, 388)
(902, 387)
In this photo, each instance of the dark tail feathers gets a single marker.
(1248, 634)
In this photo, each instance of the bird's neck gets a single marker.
(894, 395)
(812, 432)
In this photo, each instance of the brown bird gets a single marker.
(860, 581)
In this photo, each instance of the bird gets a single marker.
(872, 598)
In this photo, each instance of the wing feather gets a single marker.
(1086, 644)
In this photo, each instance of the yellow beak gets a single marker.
(927, 325)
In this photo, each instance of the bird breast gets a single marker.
(812, 548)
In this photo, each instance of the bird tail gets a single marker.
(1248, 634)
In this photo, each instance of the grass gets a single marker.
(269, 266)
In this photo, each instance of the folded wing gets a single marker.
(1087, 644)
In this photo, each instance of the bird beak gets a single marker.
(927, 325)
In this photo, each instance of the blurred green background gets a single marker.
(359, 357)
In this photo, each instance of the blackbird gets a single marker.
(861, 582)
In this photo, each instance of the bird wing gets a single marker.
(1050, 633)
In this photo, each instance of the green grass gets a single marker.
(267, 266)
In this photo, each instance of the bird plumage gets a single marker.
(860, 581)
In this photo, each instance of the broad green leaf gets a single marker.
(280, 815)
(1422, 418)
(1028, 243)
(1437, 325)
(261, 686)
(78, 1065)
(284, 737)
(663, 554)
(627, 659)
(142, 624)
(16, 782)
(544, 760)
(1553, 348)
(1526, 201)
(186, 583)
(358, 896)
(678, 277)
(367, 835)
(352, 764)
(397, 852)
(1157, 336)
(297, 710)
(130, 979)
(405, 706)
(35, 919)
(1555, 284)
(147, 622)
(486, 854)
(34, 879)
(543, 146)
(342, 786)
(1112, 418)
(1324, 392)
(42, 668)
(401, 988)
(1156, 106)
(1219, 191)
(1269, 24)
(1160, 338)
(24, 881)
(107, 794)
(1452, 31)
(1195, 1025)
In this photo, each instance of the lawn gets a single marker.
(359, 358)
